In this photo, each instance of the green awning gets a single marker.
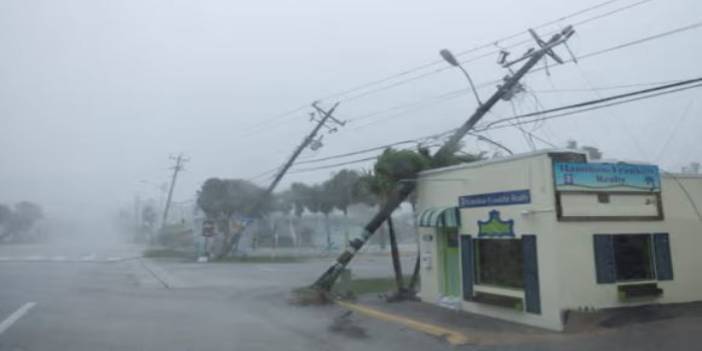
(439, 217)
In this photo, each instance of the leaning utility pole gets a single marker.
(179, 160)
(404, 189)
(326, 115)
(307, 141)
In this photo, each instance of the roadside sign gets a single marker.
(208, 228)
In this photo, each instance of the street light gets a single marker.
(448, 57)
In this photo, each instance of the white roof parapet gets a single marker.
(510, 158)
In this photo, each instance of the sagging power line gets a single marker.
(457, 93)
(491, 44)
(310, 140)
(403, 190)
(662, 89)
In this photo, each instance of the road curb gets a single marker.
(453, 337)
(168, 280)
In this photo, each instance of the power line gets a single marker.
(365, 159)
(676, 127)
(584, 21)
(417, 107)
(263, 173)
(502, 123)
(301, 170)
(565, 114)
(257, 129)
(435, 99)
(400, 193)
(578, 58)
(316, 160)
(592, 102)
(475, 49)
(643, 40)
(596, 53)
(552, 22)
(612, 12)
(603, 88)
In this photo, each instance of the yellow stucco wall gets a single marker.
(565, 249)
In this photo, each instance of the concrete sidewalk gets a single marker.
(674, 327)
(477, 330)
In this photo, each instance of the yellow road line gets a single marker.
(452, 336)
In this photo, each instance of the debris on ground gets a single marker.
(636, 315)
(346, 326)
(309, 296)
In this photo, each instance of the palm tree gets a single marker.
(324, 194)
(391, 168)
(223, 199)
(343, 186)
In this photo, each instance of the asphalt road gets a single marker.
(107, 299)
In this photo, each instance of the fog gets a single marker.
(95, 95)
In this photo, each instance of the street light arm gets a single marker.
(448, 57)
(472, 86)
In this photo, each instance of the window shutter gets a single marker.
(531, 274)
(604, 259)
(467, 266)
(664, 264)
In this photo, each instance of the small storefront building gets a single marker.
(529, 237)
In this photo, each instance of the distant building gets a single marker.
(693, 168)
(593, 153)
(527, 238)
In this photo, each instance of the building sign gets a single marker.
(495, 227)
(503, 198)
(600, 176)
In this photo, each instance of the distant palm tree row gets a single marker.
(236, 201)
(16, 223)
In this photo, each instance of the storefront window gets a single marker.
(632, 254)
(499, 262)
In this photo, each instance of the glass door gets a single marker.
(450, 262)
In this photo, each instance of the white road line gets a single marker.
(89, 257)
(16, 316)
(267, 269)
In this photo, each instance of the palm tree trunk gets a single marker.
(382, 238)
(327, 229)
(231, 239)
(225, 226)
(346, 229)
(293, 234)
(395, 257)
(415, 274)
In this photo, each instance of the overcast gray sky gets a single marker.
(95, 95)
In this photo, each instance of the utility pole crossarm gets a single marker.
(232, 241)
(305, 142)
(404, 189)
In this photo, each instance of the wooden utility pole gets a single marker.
(326, 115)
(179, 160)
(307, 141)
(404, 189)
